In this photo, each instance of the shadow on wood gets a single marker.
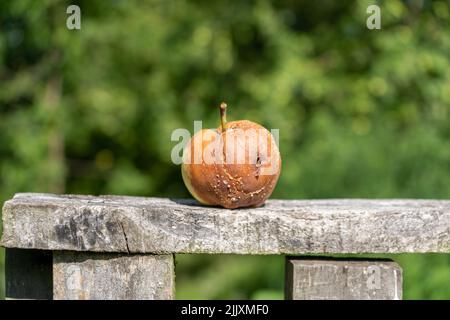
(28, 274)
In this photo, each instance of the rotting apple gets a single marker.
(236, 165)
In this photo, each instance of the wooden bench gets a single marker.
(114, 247)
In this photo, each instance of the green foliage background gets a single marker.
(361, 113)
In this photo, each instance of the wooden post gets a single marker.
(338, 279)
(28, 274)
(106, 276)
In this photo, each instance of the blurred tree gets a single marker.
(361, 113)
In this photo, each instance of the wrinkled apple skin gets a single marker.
(232, 185)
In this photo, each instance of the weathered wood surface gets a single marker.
(28, 274)
(331, 279)
(154, 225)
(110, 276)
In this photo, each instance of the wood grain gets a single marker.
(156, 225)
(111, 276)
(331, 279)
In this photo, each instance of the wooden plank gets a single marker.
(108, 276)
(28, 274)
(154, 225)
(332, 279)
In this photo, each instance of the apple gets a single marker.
(236, 165)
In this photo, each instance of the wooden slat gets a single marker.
(155, 225)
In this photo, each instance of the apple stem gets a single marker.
(223, 115)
